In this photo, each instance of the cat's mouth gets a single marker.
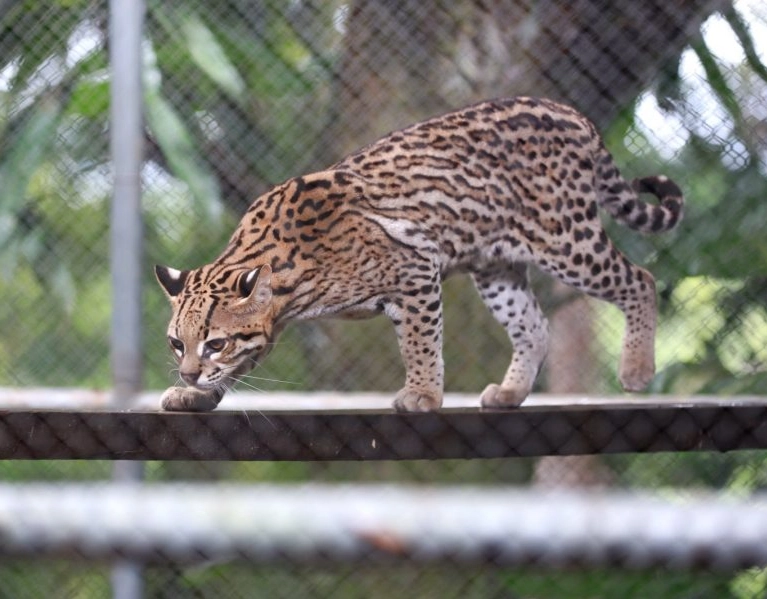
(203, 383)
(224, 379)
(203, 386)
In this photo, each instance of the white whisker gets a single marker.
(250, 386)
(260, 413)
(268, 380)
(240, 377)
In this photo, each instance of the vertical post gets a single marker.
(126, 137)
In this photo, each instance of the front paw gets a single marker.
(496, 396)
(417, 400)
(189, 399)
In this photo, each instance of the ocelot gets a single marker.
(488, 190)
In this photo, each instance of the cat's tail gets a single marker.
(621, 199)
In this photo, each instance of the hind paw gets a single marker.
(636, 380)
(636, 377)
(495, 396)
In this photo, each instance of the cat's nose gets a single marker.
(190, 377)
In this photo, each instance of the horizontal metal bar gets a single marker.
(347, 523)
(534, 430)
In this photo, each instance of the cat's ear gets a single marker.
(171, 280)
(255, 289)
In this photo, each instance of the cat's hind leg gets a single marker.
(613, 278)
(504, 289)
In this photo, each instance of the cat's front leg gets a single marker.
(190, 399)
(418, 323)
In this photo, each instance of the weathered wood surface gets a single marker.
(543, 426)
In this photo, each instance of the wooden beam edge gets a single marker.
(380, 435)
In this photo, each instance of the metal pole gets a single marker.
(126, 229)
(125, 32)
(347, 523)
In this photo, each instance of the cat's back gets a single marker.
(508, 133)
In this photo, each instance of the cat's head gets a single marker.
(222, 321)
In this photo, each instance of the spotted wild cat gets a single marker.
(485, 190)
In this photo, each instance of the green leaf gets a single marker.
(89, 99)
(180, 152)
(28, 152)
(740, 28)
(668, 87)
(209, 55)
(718, 82)
(62, 285)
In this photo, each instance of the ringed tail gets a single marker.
(621, 200)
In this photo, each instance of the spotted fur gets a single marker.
(485, 190)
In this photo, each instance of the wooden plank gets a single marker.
(534, 430)
(76, 399)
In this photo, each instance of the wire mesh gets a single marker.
(239, 96)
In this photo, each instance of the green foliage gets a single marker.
(54, 579)
(182, 155)
(632, 585)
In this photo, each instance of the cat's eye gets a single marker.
(176, 344)
(215, 345)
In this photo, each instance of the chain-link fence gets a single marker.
(239, 96)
